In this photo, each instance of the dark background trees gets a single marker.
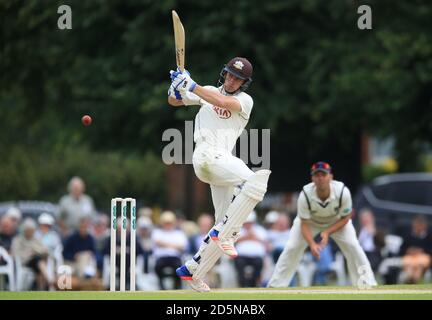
(319, 84)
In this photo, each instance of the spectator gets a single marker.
(169, 244)
(15, 215)
(7, 232)
(187, 226)
(323, 265)
(367, 236)
(80, 251)
(32, 253)
(100, 232)
(49, 238)
(205, 222)
(144, 233)
(416, 251)
(278, 233)
(74, 206)
(252, 247)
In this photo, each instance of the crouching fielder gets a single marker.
(324, 206)
(224, 113)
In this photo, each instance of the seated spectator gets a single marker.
(205, 223)
(100, 232)
(278, 233)
(144, 233)
(32, 253)
(8, 230)
(367, 238)
(49, 238)
(169, 244)
(323, 264)
(416, 251)
(15, 216)
(80, 251)
(252, 247)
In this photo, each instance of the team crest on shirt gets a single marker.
(222, 113)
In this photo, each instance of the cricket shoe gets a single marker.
(226, 245)
(196, 284)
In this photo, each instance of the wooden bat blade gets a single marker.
(179, 38)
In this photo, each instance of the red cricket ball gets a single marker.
(86, 120)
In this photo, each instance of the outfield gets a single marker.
(394, 292)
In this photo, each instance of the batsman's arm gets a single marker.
(174, 102)
(217, 99)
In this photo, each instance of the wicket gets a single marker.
(124, 202)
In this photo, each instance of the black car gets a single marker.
(396, 199)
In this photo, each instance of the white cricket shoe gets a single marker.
(226, 245)
(196, 284)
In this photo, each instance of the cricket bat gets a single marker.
(179, 37)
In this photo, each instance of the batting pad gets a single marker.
(252, 192)
(208, 258)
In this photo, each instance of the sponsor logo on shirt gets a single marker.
(222, 113)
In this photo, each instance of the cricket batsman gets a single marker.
(324, 207)
(224, 113)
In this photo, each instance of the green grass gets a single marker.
(395, 292)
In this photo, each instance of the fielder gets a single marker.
(224, 113)
(324, 206)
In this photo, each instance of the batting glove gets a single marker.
(183, 83)
(174, 93)
(174, 74)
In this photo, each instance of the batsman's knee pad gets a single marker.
(256, 186)
(252, 192)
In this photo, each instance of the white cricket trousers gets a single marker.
(222, 171)
(359, 268)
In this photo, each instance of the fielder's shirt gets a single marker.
(328, 212)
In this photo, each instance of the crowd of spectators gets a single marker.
(80, 239)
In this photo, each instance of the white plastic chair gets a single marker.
(338, 267)
(8, 268)
(306, 270)
(24, 276)
(392, 245)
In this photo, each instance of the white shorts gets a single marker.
(219, 167)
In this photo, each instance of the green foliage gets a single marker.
(27, 174)
(317, 78)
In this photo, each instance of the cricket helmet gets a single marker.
(239, 67)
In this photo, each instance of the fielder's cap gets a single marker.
(320, 166)
(14, 213)
(168, 217)
(240, 67)
(271, 217)
(46, 218)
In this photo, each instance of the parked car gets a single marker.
(396, 199)
(30, 208)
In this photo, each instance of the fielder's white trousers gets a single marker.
(359, 267)
(222, 171)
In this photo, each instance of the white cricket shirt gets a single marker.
(221, 127)
(324, 213)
